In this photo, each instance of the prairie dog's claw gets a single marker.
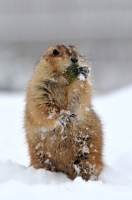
(72, 115)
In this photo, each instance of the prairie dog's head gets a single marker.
(61, 57)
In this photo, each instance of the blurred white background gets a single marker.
(101, 29)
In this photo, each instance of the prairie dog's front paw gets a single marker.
(83, 72)
(65, 117)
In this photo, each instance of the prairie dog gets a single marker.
(63, 132)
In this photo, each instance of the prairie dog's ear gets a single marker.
(73, 48)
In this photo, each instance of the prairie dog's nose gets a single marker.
(74, 58)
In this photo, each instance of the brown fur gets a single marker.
(74, 147)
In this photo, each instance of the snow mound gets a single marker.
(13, 171)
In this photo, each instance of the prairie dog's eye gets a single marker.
(55, 52)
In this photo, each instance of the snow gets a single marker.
(18, 181)
(81, 77)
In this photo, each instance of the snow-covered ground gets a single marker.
(18, 181)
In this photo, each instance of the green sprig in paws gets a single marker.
(71, 73)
